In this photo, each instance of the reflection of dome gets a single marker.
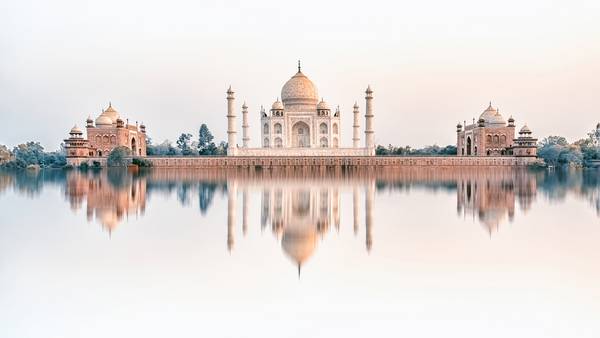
(491, 116)
(299, 243)
(277, 105)
(299, 90)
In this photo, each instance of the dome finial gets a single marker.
(299, 68)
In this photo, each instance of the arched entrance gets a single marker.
(133, 147)
(301, 135)
(468, 146)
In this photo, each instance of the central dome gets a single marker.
(491, 116)
(299, 93)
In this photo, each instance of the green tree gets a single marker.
(183, 143)
(118, 157)
(206, 146)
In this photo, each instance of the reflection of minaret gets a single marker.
(370, 194)
(231, 208)
(336, 209)
(355, 199)
(245, 212)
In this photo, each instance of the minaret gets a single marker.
(355, 127)
(370, 195)
(231, 212)
(245, 211)
(369, 144)
(232, 145)
(355, 199)
(245, 136)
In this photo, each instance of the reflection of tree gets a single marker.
(206, 192)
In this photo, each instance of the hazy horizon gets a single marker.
(431, 64)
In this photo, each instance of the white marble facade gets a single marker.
(300, 125)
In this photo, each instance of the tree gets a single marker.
(118, 157)
(28, 153)
(183, 143)
(222, 148)
(5, 154)
(206, 146)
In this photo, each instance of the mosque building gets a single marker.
(300, 124)
(491, 135)
(106, 133)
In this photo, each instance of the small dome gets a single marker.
(89, 119)
(103, 120)
(510, 119)
(355, 105)
(277, 105)
(598, 126)
(458, 126)
(75, 130)
(323, 105)
(525, 130)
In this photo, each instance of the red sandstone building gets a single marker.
(491, 135)
(108, 132)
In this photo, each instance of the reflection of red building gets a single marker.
(491, 198)
(108, 202)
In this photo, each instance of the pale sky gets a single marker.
(431, 63)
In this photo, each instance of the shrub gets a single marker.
(141, 162)
(118, 157)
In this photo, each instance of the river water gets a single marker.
(186, 253)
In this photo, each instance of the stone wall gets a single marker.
(336, 161)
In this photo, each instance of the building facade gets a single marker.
(106, 133)
(300, 124)
(491, 135)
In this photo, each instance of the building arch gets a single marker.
(334, 128)
(113, 139)
(503, 139)
(301, 135)
(105, 139)
(323, 143)
(266, 128)
(133, 146)
(277, 128)
(278, 142)
(468, 145)
(496, 139)
(266, 142)
(335, 142)
(323, 128)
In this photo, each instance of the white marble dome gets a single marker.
(277, 105)
(323, 105)
(299, 91)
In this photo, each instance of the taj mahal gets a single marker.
(300, 124)
(302, 130)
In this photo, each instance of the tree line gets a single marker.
(187, 146)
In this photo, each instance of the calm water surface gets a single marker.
(420, 253)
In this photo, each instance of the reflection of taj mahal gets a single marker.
(300, 124)
(299, 216)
